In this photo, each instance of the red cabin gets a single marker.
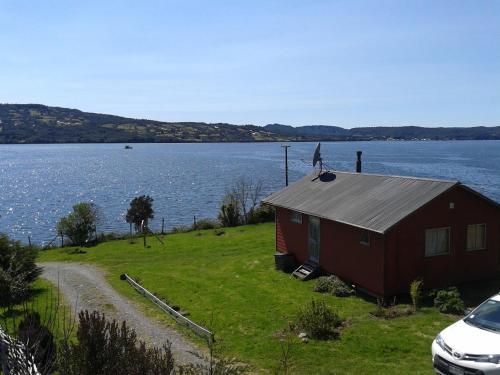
(382, 232)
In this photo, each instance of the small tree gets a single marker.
(229, 214)
(247, 193)
(239, 205)
(416, 293)
(214, 363)
(80, 225)
(140, 211)
(17, 270)
(285, 365)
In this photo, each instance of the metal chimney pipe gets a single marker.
(358, 162)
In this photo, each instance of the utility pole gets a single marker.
(144, 228)
(286, 163)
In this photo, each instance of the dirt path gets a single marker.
(86, 286)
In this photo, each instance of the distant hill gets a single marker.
(36, 123)
(335, 133)
(309, 130)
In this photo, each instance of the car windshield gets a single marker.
(486, 316)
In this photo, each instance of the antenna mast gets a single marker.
(286, 163)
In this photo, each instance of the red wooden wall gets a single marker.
(406, 259)
(341, 252)
(394, 260)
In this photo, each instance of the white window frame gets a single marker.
(483, 247)
(427, 232)
(296, 217)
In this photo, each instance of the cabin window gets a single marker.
(476, 237)
(437, 241)
(365, 238)
(296, 217)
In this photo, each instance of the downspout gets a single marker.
(275, 229)
(385, 266)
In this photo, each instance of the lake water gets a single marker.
(40, 183)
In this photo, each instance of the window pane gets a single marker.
(443, 241)
(296, 217)
(430, 240)
(437, 241)
(476, 237)
(471, 237)
(481, 236)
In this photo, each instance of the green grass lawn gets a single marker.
(232, 279)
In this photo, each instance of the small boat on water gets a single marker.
(127, 147)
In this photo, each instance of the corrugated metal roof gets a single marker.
(369, 201)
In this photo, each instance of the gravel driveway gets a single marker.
(85, 285)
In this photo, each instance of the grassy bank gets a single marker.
(230, 280)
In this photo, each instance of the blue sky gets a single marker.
(345, 63)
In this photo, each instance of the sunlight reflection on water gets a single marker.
(40, 183)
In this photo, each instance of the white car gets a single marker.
(470, 346)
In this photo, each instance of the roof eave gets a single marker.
(328, 218)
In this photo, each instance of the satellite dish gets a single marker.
(317, 154)
(317, 157)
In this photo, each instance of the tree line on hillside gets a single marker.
(35, 123)
(335, 133)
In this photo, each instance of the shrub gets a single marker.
(17, 270)
(341, 289)
(181, 229)
(416, 293)
(219, 232)
(230, 211)
(449, 301)
(323, 284)
(261, 214)
(390, 311)
(332, 284)
(206, 224)
(105, 347)
(39, 342)
(111, 236)
(319, 321)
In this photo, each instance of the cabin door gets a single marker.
(314, 235)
